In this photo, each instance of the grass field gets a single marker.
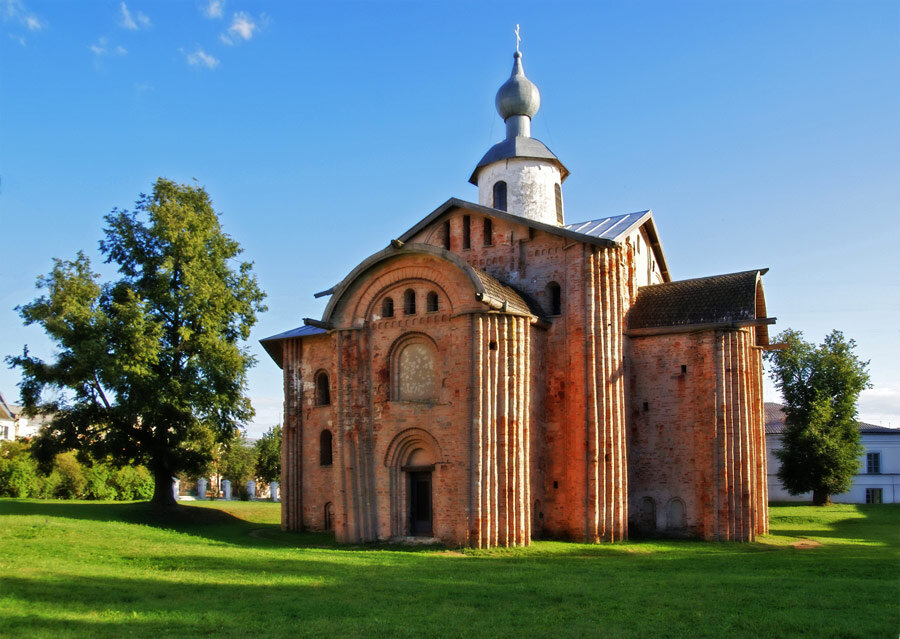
(224, 569)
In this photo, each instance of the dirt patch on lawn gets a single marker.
(806, 544)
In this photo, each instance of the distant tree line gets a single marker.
(66, 477)
(70, 476)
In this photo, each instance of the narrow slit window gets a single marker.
(409, 302)
(559, 213)
(500, 195)
(447, 234)
(488, 231)
(554, 298)
(431, 302)
(325, 455)
(387, 307)
(467, 231)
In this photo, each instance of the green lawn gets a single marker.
(95, 569)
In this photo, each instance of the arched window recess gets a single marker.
(323, 389)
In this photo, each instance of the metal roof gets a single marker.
(271, 343)
(518, 147)
(611, 228)
(776, 422)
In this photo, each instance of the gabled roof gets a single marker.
(518, 147)
(726, 300)
(776, 422)
(569, 231)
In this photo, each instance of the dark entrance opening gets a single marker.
(420, 504)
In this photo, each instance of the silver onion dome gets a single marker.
(518, 95)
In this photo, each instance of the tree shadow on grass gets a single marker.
(211, 523)
(377, 594)
(876, 524)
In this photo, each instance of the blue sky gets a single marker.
(760, 133)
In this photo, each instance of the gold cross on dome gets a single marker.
(518, 38)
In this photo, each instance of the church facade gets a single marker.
(497, 375)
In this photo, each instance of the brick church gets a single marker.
(498, 374)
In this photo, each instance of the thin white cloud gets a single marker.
(881, 404)
(102, 48)
(200, 58)
(243, 27)
(215, 9)
(16, 11)
(133, 22)
(19, 39)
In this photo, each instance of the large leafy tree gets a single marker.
(150, 368)
(820, 385)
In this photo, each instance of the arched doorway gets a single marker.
(418, 469)
(411, 459)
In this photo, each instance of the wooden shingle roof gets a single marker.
(720, 300)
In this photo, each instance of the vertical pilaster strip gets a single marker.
(512, 490)
(609, 435)
(592, 488)
(529, 515)
(721, 443)
(343, 531)
(371, 464)
(495, 433)
(601, 440)
(476, 467)
(522, 460)
(764, 457)
(487, 464)
(618, 397)
(734, 421)
(747, 531)
(751, 413)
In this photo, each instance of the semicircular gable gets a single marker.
(399, 277)
(355, 293)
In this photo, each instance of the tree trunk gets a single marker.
(162, 490)
(821, 498)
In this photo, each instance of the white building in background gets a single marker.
(15, 425)
(878, 479)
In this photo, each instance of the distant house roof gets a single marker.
(732, 299)
(776, 422)
(7, 411)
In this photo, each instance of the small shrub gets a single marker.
(132, 482)
(19, 477)
(99, 482)
(71, 482)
